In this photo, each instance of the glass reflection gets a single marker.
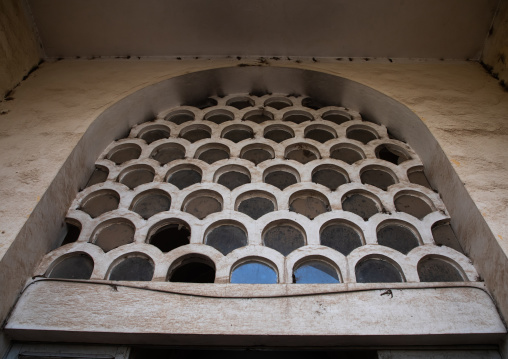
(315, 272)
(254, 273)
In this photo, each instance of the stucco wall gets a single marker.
(495, 53)
(19, 47)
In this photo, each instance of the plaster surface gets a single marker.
(495, 51)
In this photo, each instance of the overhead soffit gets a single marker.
(452, 29)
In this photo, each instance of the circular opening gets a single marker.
(154, 133)
(193, 269)
(179, 117)
(281, 176)
(433, 269)
(150, 203)
(342, 237)
(169, 236)
(113, 233)
(212, 153)
(219, 116)
(309, 203)
(336, 116)
(398, 237)
(254, 272)
(237, 133)
(258, 116)
(361, 134)
(315, 272)
(297, 117)
(232, 176)
(320, 133)
(72, 231)
(257, 153)
(361, 204)
(123, 153)
(347, 153)
(284, 237)
(278, 133)
(312, 103)
(75, 266)
(377, 177)
(168, 152)
(302, 152)
(392, 154)
(196, 133)
(202, 103)
(377, 270)
(413, 205)
(444, 235)
(99, 175)
(184, 176)
(256, 204)
(329, 176)
(417, 176)
(136, 175)
(226, 238)
(240, 102)
(278, 103)
(133, 268)
(100, 202)
(202, 203)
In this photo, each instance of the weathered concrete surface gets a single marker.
(19, 45)
(462, 105)
(495, 51)
(60, 311)
(391, 28)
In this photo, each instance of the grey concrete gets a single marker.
(328, 28)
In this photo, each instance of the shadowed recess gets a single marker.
(376, 270)
(170, 237)
(284, 239)
(124, 153)
(281, 179)
(377, 178)
(361, 205)
(133, 269)
(77, 266)
(256, 207)
(341, 237)
(278, 135)
(310, 205)
(219, 116)
(412, 205)
(150, 203)
(113, 234)
(99, 175)
(418, 177)
(445, 236)
(257, 155)
(329, 178)
(154, 135)
(301, 155)
(195, 135)
(193, 272)
(397, 237)
(72, 233)
(100, 202)
(363, 136)
(202, 206)
(134, 177)
(437, 270)
(166, 153)
(233, 179)
(240, 102)
(213, 155)
(389, 154)
(184, 178)
(226, 238)
(180, 117)
(346, 154)
(238, 135)
(336, 117)
(319, 135)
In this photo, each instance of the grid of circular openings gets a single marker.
(224, 166)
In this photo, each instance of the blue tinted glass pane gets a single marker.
(254, 273)
(315, 272)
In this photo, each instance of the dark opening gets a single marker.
(312, 103)
(301, 155)
(226, 238)
(377, 271)
(194, 272)
(341, 237)
(278, 103)
(72, 233)
(202, 103)
(100, 202)
(360, 205)
(310, 206)
(154, 135)
(315, 272)
(347, 155)
(395, 157)
(219, 117)
(363, 136)
(202, 206)
(329, 178)
(436, 270)
(115, 234)
(412, 205)
(180, 118)
(397, 237)
(336, 118)
(99, 175)
(166, 154)
(170, 237)
(137, 177)
(278, 135)
(418, 177)
(445, 236)
(298, 117)
(256, 207)
(258, 116)
(238, 135)
(133, 269)
(151, 202)
(213, 155)
(257, 155)
(125, 154)
(319, 135)
(253, 273)
(280, 179)
(240, 102)
(377, 178)
(78, 266)
(184, 178)
(233, 179)
(284, 238)
(196, 135)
